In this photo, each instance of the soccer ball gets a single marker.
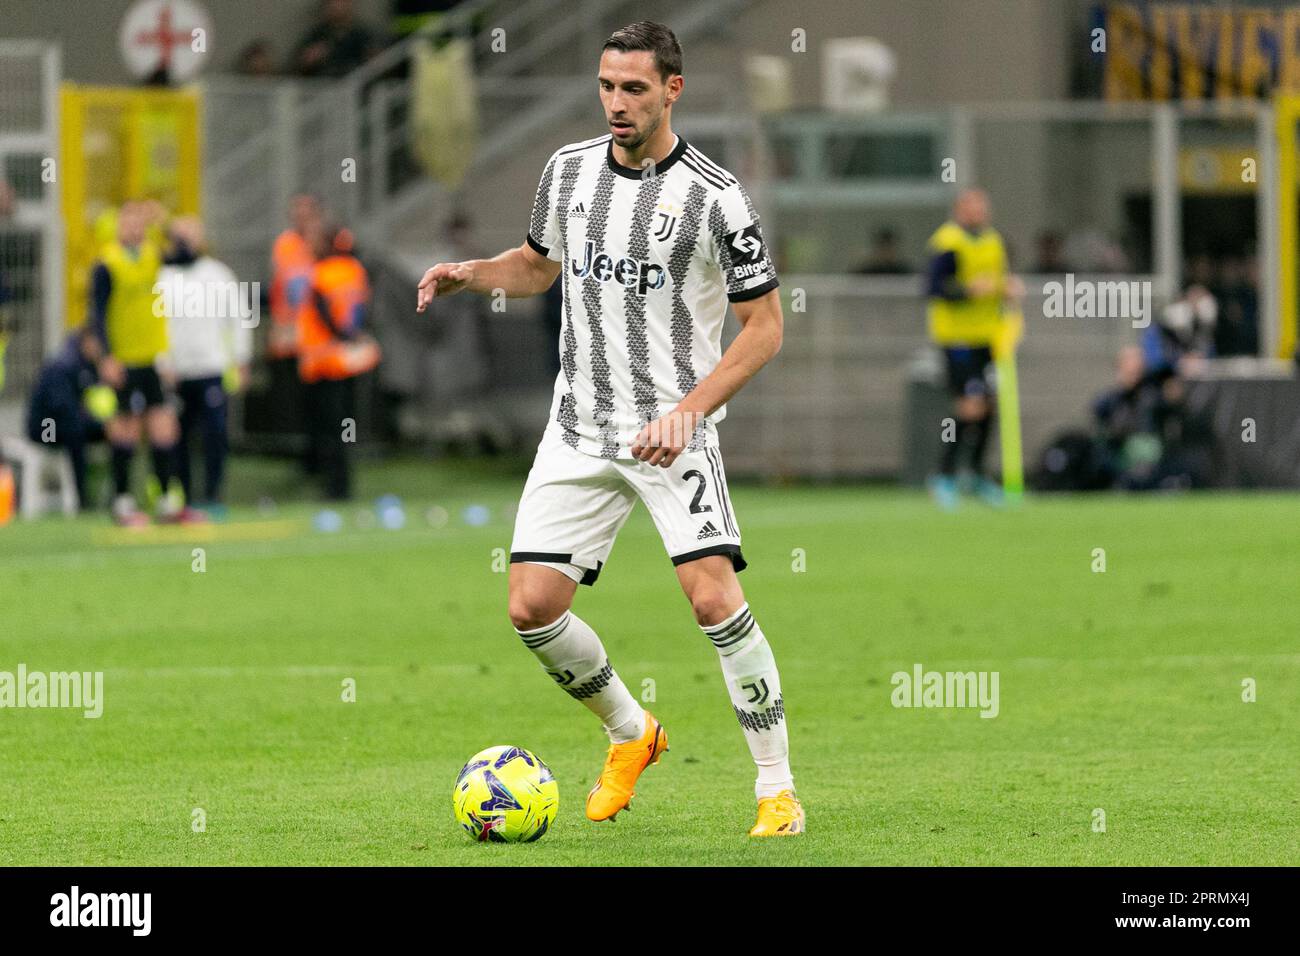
(505, 795)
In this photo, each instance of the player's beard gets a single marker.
(649, 130)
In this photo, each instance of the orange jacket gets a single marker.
(291, 264)
(330, 345)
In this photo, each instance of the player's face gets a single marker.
(318, 238)
(131, 224)
(186, 231)
(91, 350)
(973, 209)
(303, 210)
(633, 95)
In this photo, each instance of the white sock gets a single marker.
(573, 657)
(755, 688)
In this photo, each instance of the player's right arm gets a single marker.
(529, 269)
(101, 288)
(519, 272)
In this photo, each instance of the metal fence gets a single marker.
(834, 401)
(264, 141)
(31, 234)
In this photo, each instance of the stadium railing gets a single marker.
(833, 402)
(31, 233)
(266, 139)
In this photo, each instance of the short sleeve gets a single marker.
(739, 248)
(543, 226)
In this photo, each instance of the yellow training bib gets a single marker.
(135, 334)
(971, 321)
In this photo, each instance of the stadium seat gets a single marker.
(35, 462)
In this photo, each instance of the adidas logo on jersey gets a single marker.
(578, 212)
(708, 531)
(627, 272)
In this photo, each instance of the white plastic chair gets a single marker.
(35, 463)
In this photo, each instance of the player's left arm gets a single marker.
(762, 324)
(1012, 286)
(734, 245)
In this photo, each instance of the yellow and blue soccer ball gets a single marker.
(505, 795)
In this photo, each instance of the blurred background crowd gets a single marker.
(316, 156)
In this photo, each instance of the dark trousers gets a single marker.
(205, 411)
(967, 369)
(328, 404)
(286, 396)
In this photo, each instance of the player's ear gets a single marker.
(675, 84)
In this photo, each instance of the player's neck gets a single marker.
(656, 148)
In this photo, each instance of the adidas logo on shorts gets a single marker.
(708, 531)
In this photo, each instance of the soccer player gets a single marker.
(653, 239)
(967, 283)
(133, 333)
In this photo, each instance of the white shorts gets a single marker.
(574, 504)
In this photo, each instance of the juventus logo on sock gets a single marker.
(758, 691)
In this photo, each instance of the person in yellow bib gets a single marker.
(133, 332)
(968, 285)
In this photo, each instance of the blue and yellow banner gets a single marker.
(1194, 51)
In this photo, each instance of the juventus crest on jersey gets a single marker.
(649, 259)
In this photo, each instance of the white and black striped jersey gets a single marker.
(649, 260)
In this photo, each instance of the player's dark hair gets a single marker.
(655, 37)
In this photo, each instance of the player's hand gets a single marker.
(1013, 290)
(111, 372)
(662, 440)
(446, 278)
(235, 379)
(981, 287)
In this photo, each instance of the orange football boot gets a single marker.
(781, 815)
(623, 765)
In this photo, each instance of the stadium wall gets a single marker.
(1012, 49)
(1008, 50)
(88, 31)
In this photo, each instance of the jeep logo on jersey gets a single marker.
(627, 272)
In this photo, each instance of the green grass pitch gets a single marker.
(1119, 691)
